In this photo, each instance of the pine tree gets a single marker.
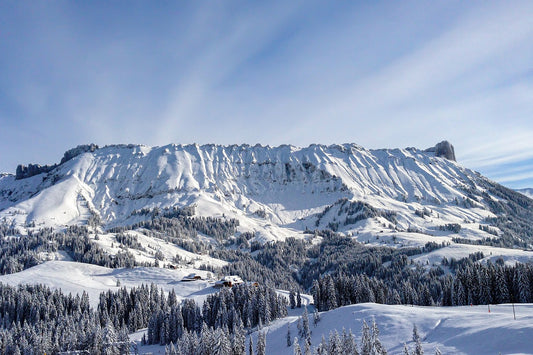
(289, 338)
(307, 347)
(366, 340)
(207, 340)
(377, 347)
(223, 336)
(306, 332)
(292, 299)
(317, 295)
(521, 281)
(416, 340)
(251, 346)
(322, 348)
(334, 343)
(485, 295)
(348, 343)
(458, 296)
(500, 286)
(297, 350)
(110, 340)
(298, 300)
(239, 339)
(170, 349)
(331, 294)
(316, 317)
(261, 343)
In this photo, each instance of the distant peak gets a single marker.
(443, 149)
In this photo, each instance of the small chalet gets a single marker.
(228, 281)
(192, 277)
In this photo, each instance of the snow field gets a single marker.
(73, 277)
(454, 330)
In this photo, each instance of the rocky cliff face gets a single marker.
(74, 152)
(443, 149)
(24, 171)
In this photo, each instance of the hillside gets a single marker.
(453, 330)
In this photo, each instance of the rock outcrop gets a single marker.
(24, 171)
(74, 152)
(443, 149)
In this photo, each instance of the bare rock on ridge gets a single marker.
(443, 149)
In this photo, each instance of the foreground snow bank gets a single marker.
(454, 330)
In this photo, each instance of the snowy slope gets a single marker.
(73, 277)
(527, 192)
(454, 330)
(288, 185)
(151, 244)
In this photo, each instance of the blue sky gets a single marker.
(380, 74)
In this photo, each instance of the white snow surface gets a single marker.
(454, 330)
(286, 184)
(459, 251)
(527, 192)
(73, 277)
(107, 241)
(289, 186)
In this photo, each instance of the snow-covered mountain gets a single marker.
(528, 192)
(274, 192)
